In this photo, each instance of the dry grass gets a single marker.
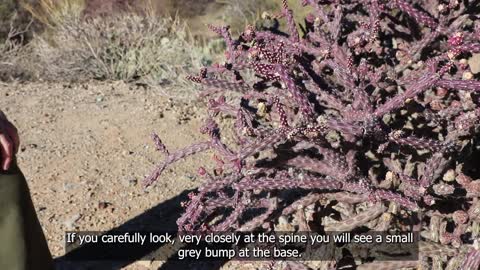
(125, 46)
(53, 13)
(139, 47)
(135, 46)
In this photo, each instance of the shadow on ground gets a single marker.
(159, 218)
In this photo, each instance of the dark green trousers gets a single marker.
(22, 242)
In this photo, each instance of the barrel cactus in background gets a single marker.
(370, 112)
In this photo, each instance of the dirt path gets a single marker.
(86, 148)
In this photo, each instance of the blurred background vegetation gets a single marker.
(151, 42)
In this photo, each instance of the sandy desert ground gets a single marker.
(85, 149)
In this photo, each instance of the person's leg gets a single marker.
(22, 242)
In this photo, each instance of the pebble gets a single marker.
(99, 99)
(467, 75)
(190, 177)
(129, 182)
(70, 222)
(103, 205)
(69, 186)
(127, 153)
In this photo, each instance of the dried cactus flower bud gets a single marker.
(449, 176)
(453, 4)
(441, 92)
(451, 54)
(463, 179)
(456, 39)
(202, 171)
(261, 109)
(467, 75)
(266, 16)
(389, 176)
(474, 63)
(441, 8)
(460, 217)
(443, 189)
(310, 18)
(387, 216)
(437, 105)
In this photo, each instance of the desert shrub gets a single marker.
(238, 14)
(6, 9)
(368, 119)
(14, 55)
(125, 46)
(54, 13)
(12, 15)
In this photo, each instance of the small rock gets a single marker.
(70, 222)
(190, 177)
(409, 125)
(126, 153)
(99, 99)
(69, 186)
(103, 205)
(129, 182)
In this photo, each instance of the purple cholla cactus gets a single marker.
(365, 107)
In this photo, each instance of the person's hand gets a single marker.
(9, 142)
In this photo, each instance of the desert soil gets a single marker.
(85, 149)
